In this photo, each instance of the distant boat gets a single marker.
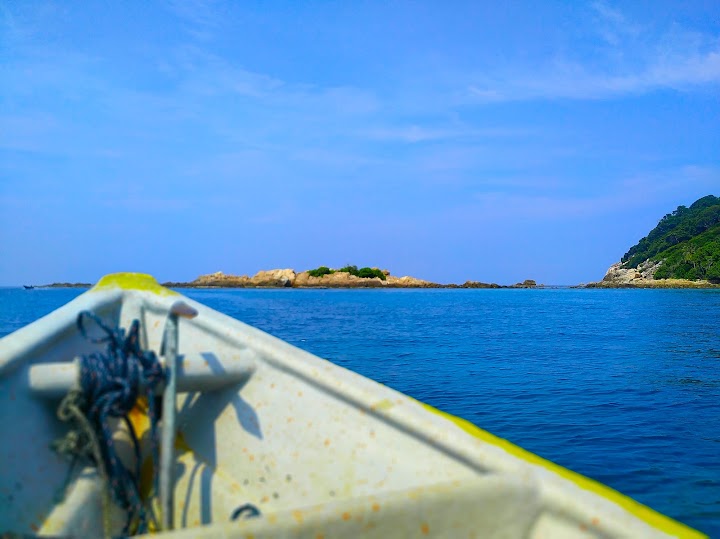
(28, 286)
(303, 447)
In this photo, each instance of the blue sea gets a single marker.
(620, 385)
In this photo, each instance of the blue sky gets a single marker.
(445, 140)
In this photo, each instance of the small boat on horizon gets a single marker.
(28, 286)
(259, 439)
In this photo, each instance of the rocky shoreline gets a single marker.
(642, 276)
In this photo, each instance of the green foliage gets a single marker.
(364, 273)
(698, 258)
(369, 273)
(319, 272)
(686, 240)
(352, 270)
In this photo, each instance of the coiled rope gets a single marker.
(110, 384)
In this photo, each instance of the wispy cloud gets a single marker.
(200, 16)
(612, 25)
(200, 89)
(634, 60)
(335, 158)
(419, 133)
(143, 204)
(575, 81)
(207, 75)
(568, 80)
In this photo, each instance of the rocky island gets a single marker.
(682, 251)
(325, 277)
(289, 278)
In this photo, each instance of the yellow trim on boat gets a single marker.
(133, 281)
(651, 517)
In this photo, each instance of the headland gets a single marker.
(682, 251)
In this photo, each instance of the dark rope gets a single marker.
(110, 384)
(248, 508)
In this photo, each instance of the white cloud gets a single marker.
(633, 60)
(612, 25)
(200, 17)
(575, 81)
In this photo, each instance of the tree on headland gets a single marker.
(686, 242)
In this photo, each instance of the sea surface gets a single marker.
(620, 385)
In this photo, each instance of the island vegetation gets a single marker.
(684, 245)
(363, 273)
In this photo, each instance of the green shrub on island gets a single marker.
(319, 272)
(686, 241)
(363, 273)
(369, 273)
(352, 270)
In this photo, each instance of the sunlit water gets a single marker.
(620, 385)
